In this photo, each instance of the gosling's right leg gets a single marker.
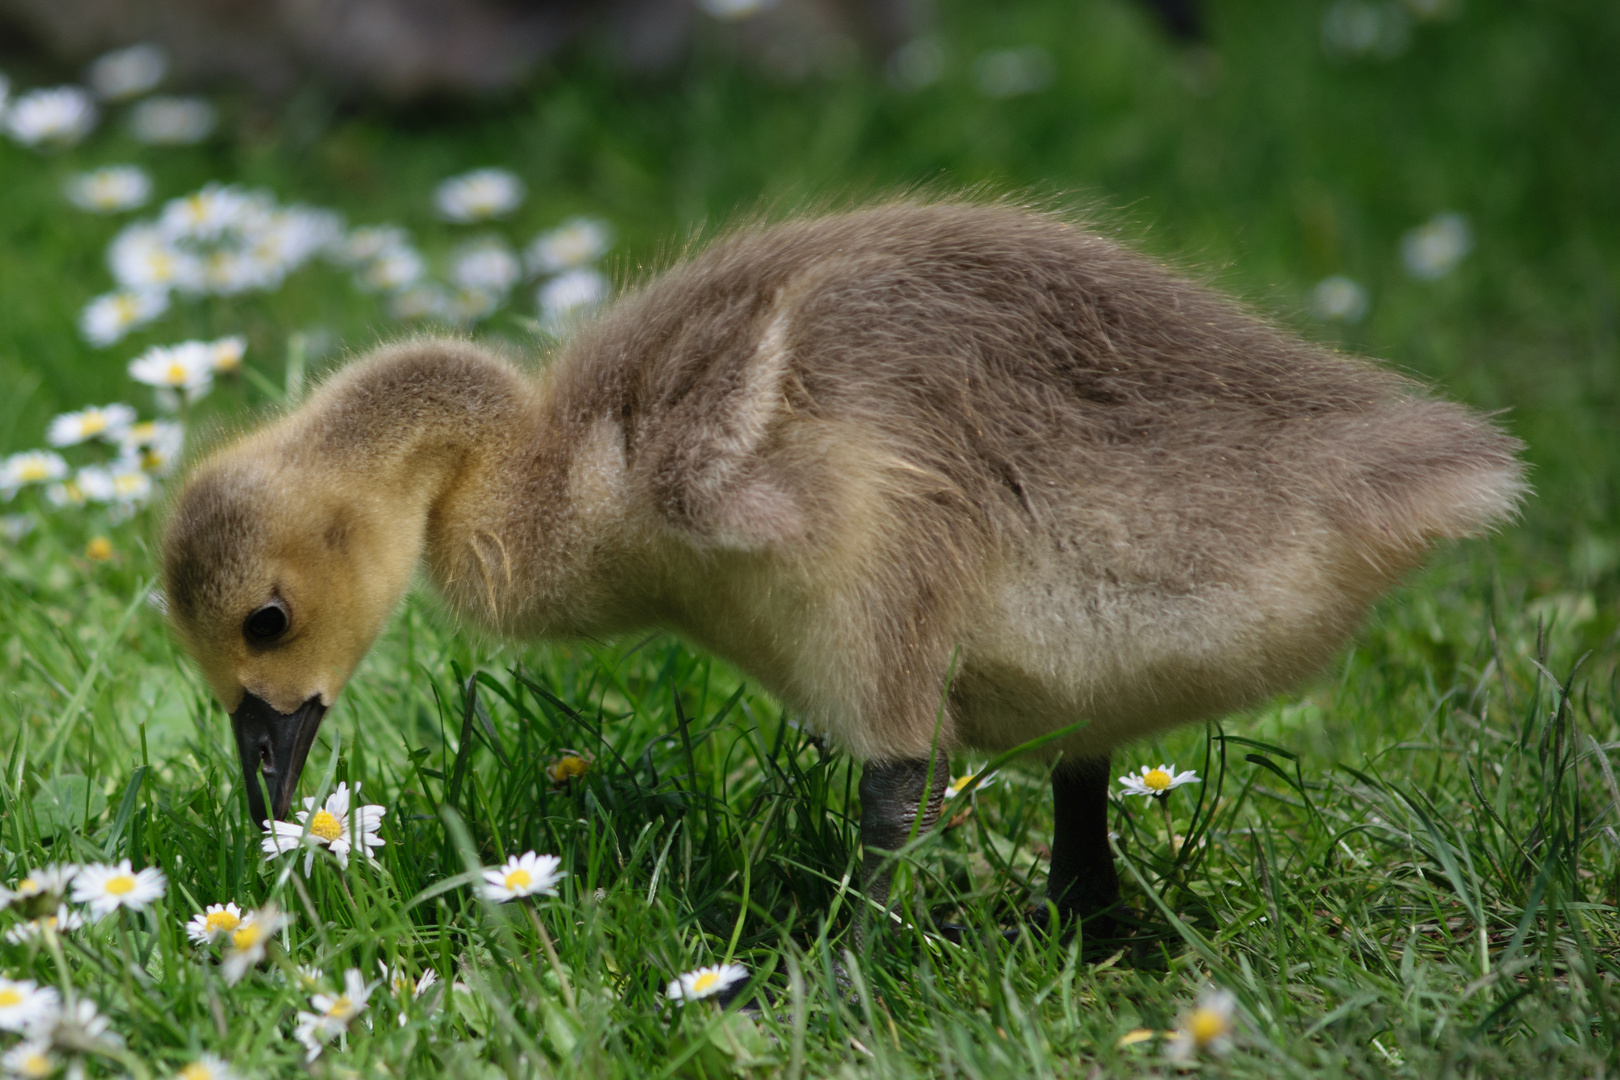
(1083, 884)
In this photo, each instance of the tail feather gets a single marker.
(1417, 471)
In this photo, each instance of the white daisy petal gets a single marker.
(478, 195)
(523, 875)
(105, 888)
(60, 116)
(706, 982)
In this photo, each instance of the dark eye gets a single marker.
(265, 624)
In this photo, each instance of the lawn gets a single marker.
(1409, 868)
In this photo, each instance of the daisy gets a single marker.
(214, 923)
(369, 242)
(309, 977)
(392, 270)
(401, 984)
(172, 121)
(127, 73)
(332, 826)
(225, 355)
(960, 784)
(293, 235)
(24, 1005)
(576, 242)
(144, 258)
(333, 1013)
(567, 296)
(13, 527)
(403, 987)
(107, 888)
(156, 444)
(486, 265)
(207, 1067)
(1157, 782)
(1207, 1027)
(30, 467)
(566, 768)
(63, 115)
(247, 942)
(705, 982)
(470, 305)
(735, 10)
(131, 484)
(106, 319)
(477, 195)
(34, 929)
(1338, 299)
(80, 1026)
(524, 875)
(50, 882)
(32, 1060)
(208, 212)
(420, 302)
(188, 366)
(109, 190)
(1433, 249)
(108, 422)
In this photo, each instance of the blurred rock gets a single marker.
(406, 49)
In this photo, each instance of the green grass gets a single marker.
(1408, 869)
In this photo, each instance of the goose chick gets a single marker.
(854, 455)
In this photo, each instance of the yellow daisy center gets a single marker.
(517, 879)
(1157, 779)
(93, 423)
(247, 936)
(100, 549)
(705, 982)
(1205, 1026)
(28, 885)
(73, 491)
(340, 1007)
(124, 308)
(221, 922)
(326, 826)
(9, 997)
(176, 373)
(569, 767)
(33, 472)
(36, 1064)
(196, 1071)
(122, 885)
(127, 483)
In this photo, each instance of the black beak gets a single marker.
(278, 743)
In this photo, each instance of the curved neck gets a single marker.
(443, 447)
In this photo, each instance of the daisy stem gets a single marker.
(54, 943)
(129, 957)
(1169, 826)
(551, 958)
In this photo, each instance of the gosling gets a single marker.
(940, 476)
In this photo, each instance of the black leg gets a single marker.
(891, 795)
(1082, 884)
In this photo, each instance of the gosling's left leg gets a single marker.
(892, 795)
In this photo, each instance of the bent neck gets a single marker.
(412, 416)
(434, 443)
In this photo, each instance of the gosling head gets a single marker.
(278, 583)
